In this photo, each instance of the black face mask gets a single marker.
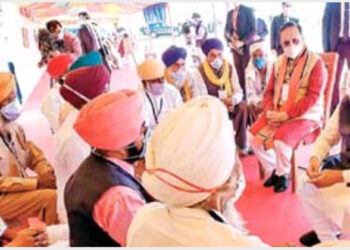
(135, 154)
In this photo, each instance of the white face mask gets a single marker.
(179, 77)
(11, 111)
(217, 63)
(60, 35)
(292, 51)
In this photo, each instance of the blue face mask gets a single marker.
(259, 63)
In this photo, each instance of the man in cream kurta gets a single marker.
(22, 196)
(326, 193)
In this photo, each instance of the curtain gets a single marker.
(155, 13)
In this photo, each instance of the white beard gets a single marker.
(233, 217)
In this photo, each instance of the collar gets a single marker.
(123, 164)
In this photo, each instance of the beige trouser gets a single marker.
(20, 206)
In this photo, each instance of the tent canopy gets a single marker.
(70, 10)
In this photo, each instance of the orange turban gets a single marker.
(111, 121)
(7, 84)
(150, 69)
(58, 65)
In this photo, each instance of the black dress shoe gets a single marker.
(309, 239)
(271, 181)
(281, 184)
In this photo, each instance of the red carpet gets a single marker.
(276, 218)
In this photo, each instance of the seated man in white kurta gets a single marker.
(159, 97)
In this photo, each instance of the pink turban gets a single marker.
(111, 121)
(58, 65)
(88, 81)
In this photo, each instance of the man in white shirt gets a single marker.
(326, 191)
(159, 97)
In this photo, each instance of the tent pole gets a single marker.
(171, 23)
(214, 18)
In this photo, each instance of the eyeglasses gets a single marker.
(287, 43)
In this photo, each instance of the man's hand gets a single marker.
(260, 106)
(47, 180)
(256, 37)
(228, 103)
(274, 53)
(328, 178)
(313, 170)
(29, 238)
(54, 53)
(276, 117)
(238, 44)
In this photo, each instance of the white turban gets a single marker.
(259, 45)
(196, 143)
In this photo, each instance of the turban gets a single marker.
(210, 44)
(88, 81)
(150, 69)
(194, 142)
(256, 46)
(172, 54)
(58, 65)
(92, 58)
(7, 85)
(116, 120)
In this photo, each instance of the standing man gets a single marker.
(87, 34)
(276, 25)
(336, 37)
(90, 39)
(201, 32)
(240, 31)
(63, 42)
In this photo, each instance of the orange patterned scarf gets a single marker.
(263, 132)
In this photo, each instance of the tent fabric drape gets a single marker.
(155, 13)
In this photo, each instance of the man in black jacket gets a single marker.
(240, 30)
(336, 38)
(276, 25)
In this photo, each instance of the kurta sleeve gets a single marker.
(17, 184)
(252, 97)
(237, 92)
(115, 210)
(36, 159)
(198, 88)
(329, 137)
(317, 79)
